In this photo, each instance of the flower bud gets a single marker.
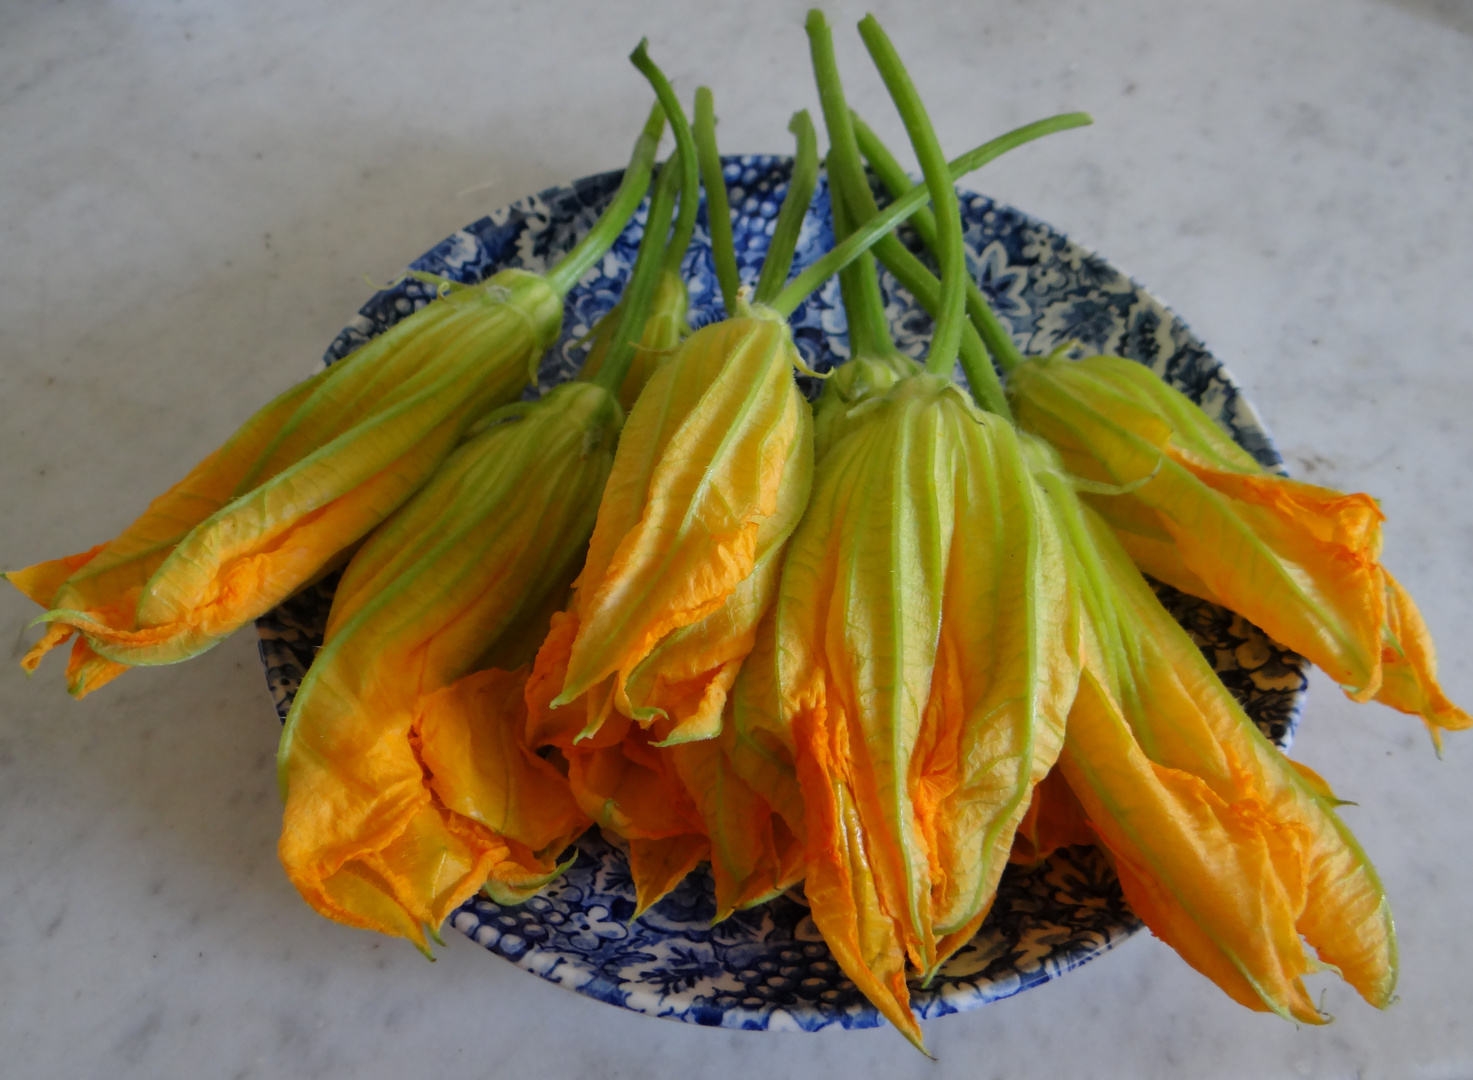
(1224, 848)
(398, 750)
(302, 481)
(711, 476)
(1196, 511)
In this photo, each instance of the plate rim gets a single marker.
(474, 916)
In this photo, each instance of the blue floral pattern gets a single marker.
(768, 968)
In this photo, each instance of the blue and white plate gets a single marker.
(768, 968)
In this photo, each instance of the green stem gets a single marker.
(858, 312)
(718, 210)
(685, 147)
(616, 215)
(976, 364)
(779, 258)
(685, 220)
(952, 256)
(865, 236)
(864, 307)
(847, 178)
(643, 279)
(996, 336)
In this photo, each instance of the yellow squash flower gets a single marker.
(313, 472)
(711, 476)
(1299, 561)
(302, 480)
(923, 663)
(406, 777)
(1224, 848)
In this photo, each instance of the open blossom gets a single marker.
(1228, 851)
(407, 780)
(1194, 510)
(303, 479)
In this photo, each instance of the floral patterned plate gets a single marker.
(768, 968)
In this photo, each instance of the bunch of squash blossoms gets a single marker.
(879, 645)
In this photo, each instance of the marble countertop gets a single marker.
(190, 196)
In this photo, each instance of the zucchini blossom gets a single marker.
(1228, 851)
(712, 474)
(309, 475)
(406, 777)
(924, 665)
(1199, 513)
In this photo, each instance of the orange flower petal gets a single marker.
(471, 743)
(459, 566)
(711, 473)
(303, 479)
(659, 865)
(1194, 510)
(1225, 850)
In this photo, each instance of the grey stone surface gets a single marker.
(190, 195)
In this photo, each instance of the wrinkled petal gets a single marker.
(500, 527)
(712, 471)
(471, 743)
(1227, 851)
(1194, 510)
(305, 478)
(753, 854)
(761, 745)
(858, 620)
(1201, 875)
(1409, 667)
(657, 866)
(1007, 665)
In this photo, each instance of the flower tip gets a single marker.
(648, 714)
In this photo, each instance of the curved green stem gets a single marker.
(779, 258)
(976, 364)
(718, 210)
(865, 236)
(616, 215)
(685, 148)
(952, 256)
(996, 336)
(643, 279)
(864, 307)
(846, 174)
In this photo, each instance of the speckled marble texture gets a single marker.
(189, 197)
